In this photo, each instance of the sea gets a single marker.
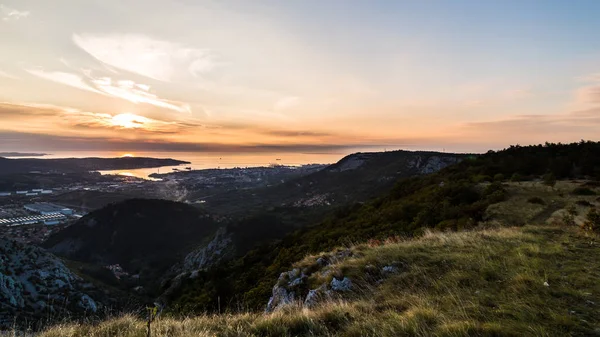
(208, 160)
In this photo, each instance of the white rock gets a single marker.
(344, 285)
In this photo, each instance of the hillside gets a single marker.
(35, 285)
(458, 197)
(534, 280)
(68, 165)
(144, 236)
(356, 177)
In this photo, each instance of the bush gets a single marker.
(592, 222)
(536, 200)
(549, 180)
(583, 191)
(516, 177)
(499, 177)
(583, 203)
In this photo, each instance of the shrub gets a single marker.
(499, 177)
(583, 203)
(583, 191)
(549, 180)
(592, 183)
(592, 222)
(536, 200)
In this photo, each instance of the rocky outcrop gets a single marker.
(205, 256)
(210, 254)
(321, 280)
(33, 282)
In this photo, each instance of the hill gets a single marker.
(455, 198)
(69, 165)
(356, 177)
(144, 236)
(37, 286)
(263, 215)
(534, 280)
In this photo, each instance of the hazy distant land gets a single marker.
(82, 164)
(21, 154)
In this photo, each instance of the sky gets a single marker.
(297, 75)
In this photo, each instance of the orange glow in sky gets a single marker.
(297, 76)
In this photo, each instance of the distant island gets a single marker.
(21, 154)
(67, 165)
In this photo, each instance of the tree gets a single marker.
(549, 180)
(516, 178)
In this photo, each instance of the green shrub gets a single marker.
(516, 177)
(583, 203)
(583, 191)
(536, 200)
(592, 222)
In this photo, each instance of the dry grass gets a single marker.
(485, 283)
(531, 280)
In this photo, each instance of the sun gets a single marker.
(128, 121)
(127, 155)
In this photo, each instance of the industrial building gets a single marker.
(45, 208)
(48, 219)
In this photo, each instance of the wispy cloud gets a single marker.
(136, 93)
(286, 102)
(525, 129)
(9, 14)
(123, 89)
(19, 140)
(7, 75)
(69, 79)
(588, 95)
(143, 55)
(70, 118)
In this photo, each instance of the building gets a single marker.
(22, 192)
(47, 191)
(5, 194)
(48, 219)
(48, 208)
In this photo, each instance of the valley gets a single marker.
(364, 235)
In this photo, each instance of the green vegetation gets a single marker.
(477, 256)
(456, 198)
(535, 280)
(145, 236)
(536, 200)
(583, 191)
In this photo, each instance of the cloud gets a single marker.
(293, 133)
(69, 79)
(9, 14)
(538, 128)
(23, 141)
(7, 75)
(143, 55)
(286, 102)
(136, 93)
(54, 117)
(123, 89)
(588, 94)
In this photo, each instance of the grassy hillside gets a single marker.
(455, 198)
(536, 280)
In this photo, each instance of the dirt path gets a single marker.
(542, 217)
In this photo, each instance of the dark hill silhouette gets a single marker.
(144, 236)
(67, 165)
